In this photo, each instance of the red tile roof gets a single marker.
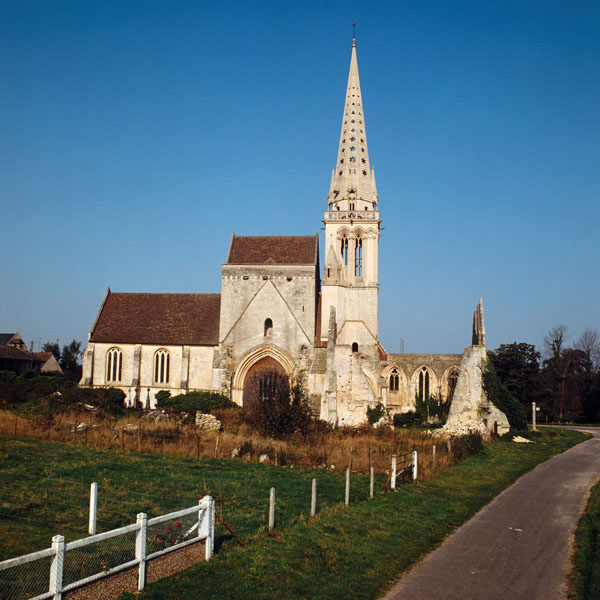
(180, 319)
(286, 250)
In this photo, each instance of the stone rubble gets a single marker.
(207, 422)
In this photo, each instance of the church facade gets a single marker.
(277, 313)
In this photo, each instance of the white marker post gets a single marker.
(533, 415)
(93, 508)
(393, 480)
(272, 509)
(313, 499)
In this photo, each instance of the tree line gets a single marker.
(563, 380)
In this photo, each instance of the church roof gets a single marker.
(276, 249)
(180, 319)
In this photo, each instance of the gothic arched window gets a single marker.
(452, 381)
(358, 257)
(162, 366)
(268, 328)
(394, 380)
(424, 384)
(114, 365)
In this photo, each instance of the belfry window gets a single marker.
(345, 250)
(394, 380)
(268, 328)
(114, 365)
(358, 258)
(162, 366)
(424, 384)
(355, 347)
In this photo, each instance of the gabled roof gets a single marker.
(6, 337)
(164, 319)
(16, 354)
(276, 249)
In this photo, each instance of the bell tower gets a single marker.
(352, 223)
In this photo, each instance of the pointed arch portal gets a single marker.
(255, 366)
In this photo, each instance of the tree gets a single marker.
(52, 347)
(518, 366)
(502, 399)
(69, 358)
(589, 344)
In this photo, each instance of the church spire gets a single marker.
(353, 184)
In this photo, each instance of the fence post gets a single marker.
(347, 487)
(272, 509)
(206, 524)
(313, 499)
(93, 508)
(449, 445)
(393, 480)
(372, 483)
(140, 548)
(56, 566)
(433, 454)
(414, 457)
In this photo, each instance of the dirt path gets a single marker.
(518, 546)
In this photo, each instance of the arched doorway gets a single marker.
(261, 377)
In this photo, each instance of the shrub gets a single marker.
(408, 419)
(276, 410)
(204, 402)
(502, 399)
(375, 413)
(111, 400)
(468, 444)
(432, 409)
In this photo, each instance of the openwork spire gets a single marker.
(353, 182)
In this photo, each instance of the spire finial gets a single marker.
(354, 35)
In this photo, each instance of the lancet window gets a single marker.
(452, 381)
(394, 380)
(345, 250)
(358, 257)
(114, 365)
(162, 366)
(424, 384)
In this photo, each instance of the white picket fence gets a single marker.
(60, 568)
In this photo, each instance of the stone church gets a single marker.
(277, 313)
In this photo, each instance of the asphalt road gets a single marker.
(518, 546)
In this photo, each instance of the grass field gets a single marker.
(44, 491)
(358, 553)
(350, 553)
(586, 572)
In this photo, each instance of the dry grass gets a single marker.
(361, 447)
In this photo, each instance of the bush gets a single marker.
(468, 444)
(204, 402)
(409, 419)
(111, 400)
(277, 410)
(432, 410)
(502, 399)
(375, 413)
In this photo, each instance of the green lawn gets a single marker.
(586, 572)
(44, 491)
(342, 553)
(358, 553)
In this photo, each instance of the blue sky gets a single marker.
(137, 136)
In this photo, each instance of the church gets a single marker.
(277, 313)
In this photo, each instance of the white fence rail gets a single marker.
(69, 565)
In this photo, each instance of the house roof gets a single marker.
(5, 338)
(16, 354)
(180, 319)
(43, 355)
(276, 249)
